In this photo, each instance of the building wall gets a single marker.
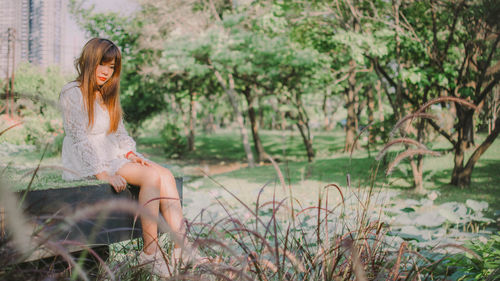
(41, 33)
(47, 29)
(14, 14)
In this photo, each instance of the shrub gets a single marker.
(37, 90)
(173, 143)
(55, 148)
(482, 262)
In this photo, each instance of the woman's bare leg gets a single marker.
(148, 180)
(155, 181)
(171, 209)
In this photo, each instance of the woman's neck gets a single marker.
(98, 96)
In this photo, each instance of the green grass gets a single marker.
(227, 146)
(330, 165)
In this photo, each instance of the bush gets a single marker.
(55, 148)
(173, 143)
(481, 263)
(37, 91)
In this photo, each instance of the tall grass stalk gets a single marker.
(280, 239)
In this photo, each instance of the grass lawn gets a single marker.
(330, 166)
(203, 195)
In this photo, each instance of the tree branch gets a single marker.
(485, 68)
(442, 132)
(488, 88)
(379, 69)
(484, 146)
(461, 71)
(452, 32)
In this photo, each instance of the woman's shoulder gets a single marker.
(71, 91)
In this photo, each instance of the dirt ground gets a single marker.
(211, 168)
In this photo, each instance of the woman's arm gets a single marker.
(117, 181)
(75, 121)
(127, 144)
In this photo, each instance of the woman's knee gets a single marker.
(169, 176)
(165, 172)
(152, 178)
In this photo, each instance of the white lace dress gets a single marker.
(89, 151)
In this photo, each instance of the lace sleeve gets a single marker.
(125, 141)
(75, 122)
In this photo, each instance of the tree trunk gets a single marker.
(465, 130)
(328, 112)
(283, 123)
(259, 149)
(303, 126)
(462, 175)
(378, 88)
(399, 83)
(184, 116)
(233, 98)
(260, 116)
(351, 126)
(371, 118)
(275, 117)
(416, 168)
(419, 186)
(304, 131)
(192, 121)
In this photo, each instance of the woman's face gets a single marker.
(104, 71)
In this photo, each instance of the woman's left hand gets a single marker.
(138, 160)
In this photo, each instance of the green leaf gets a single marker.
(408, 210)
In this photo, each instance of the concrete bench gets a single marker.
(48, 207)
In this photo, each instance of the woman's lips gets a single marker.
(102, 78)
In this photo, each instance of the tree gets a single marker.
(344, 32)
(457, 46)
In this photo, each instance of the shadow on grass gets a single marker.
(227, 146)
(332, 166)
(484, 185)
(325, 170)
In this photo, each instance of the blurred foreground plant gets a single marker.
(279, 239)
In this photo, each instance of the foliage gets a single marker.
(287, 58)
(482, 264)
(443, 66)
(37, 93)
(423, 223)
(261, 240)
(173, 143)
(55, 148)
(257, 62)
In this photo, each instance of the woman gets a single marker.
(97, 144)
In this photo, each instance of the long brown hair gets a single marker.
(98, 51)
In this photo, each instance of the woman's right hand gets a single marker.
(116, 181)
